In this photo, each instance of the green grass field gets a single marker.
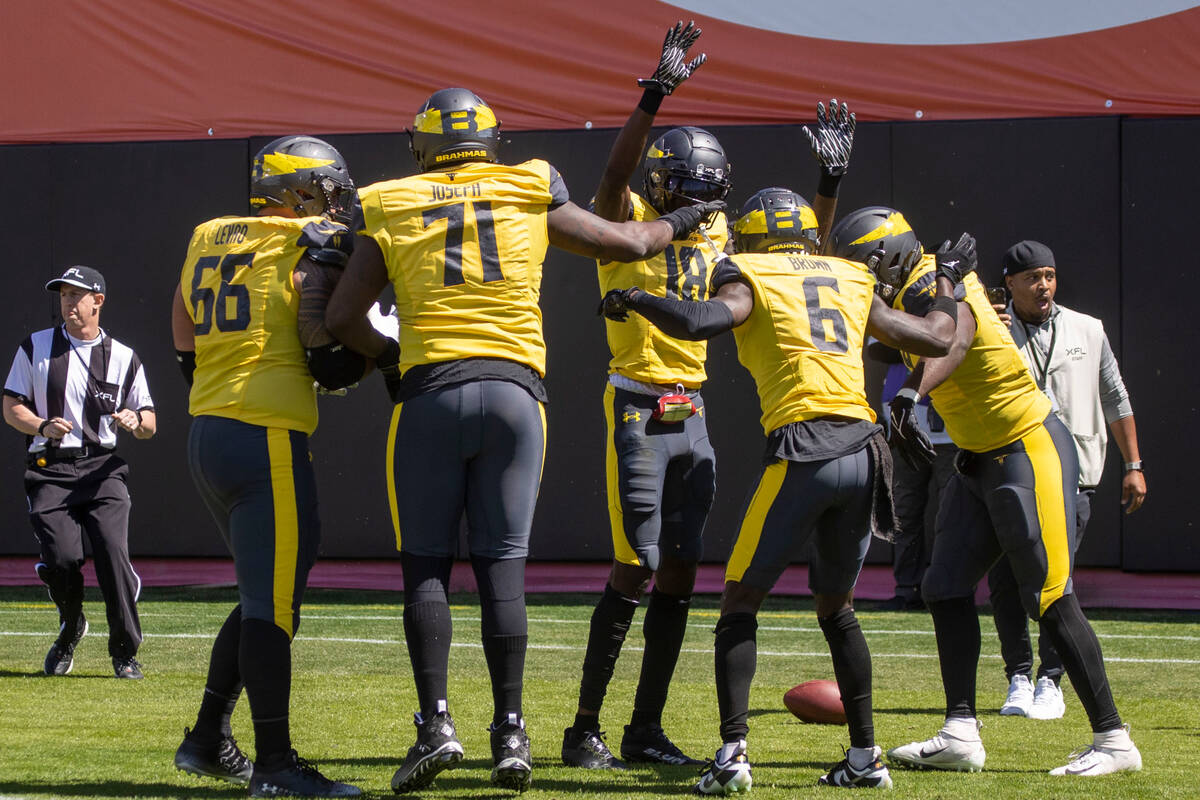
(89, 735)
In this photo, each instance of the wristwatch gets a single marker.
(1130, 466)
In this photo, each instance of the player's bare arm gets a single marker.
(346, 313)
(612, 195)
(930, 373)
(575, 230)
(931, 335)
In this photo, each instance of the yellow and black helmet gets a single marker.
(775, 220)
(454, 125)
(305, 174)
(881, 238)
(685, 166)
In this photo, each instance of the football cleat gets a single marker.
(873, 776)
(1047, 700)
(587, 749)
(220, 759)
(946, 751)
(127, 667)
(61, 657)
(297, 778)
(513, 767)
(648, 744)
(437, 749)
(727, 773)
(1104, 757)
(1020, 697)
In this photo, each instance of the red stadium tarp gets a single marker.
(104, 70)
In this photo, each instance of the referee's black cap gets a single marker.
(1027, 255)
(81, 276)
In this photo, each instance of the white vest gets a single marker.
(1072, 381)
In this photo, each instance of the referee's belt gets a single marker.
(55, 455)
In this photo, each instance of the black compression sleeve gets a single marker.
(187, 364)
(946, 305)
(683, 319)
(651, 100)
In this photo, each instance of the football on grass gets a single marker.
(816, 701)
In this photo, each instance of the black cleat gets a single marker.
(437, 749)
(127, 667)
(220, 759)
(647, 744)
(61, 657)
(297, 778)
(873, 776)
(587, 749)
(510, 754)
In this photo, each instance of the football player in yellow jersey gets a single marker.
(243, 317)
(800, 321)
(1013, 494)
(660, 464)
(462, 244)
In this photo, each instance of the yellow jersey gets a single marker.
(464, 249)
(237, 288)
(803, 340)
(683, 271)
(990, 399)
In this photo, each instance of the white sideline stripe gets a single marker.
(629, 648)
(783, 628)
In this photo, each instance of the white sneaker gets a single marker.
(1112, 751)
(727, 773)
(1047, 701)
(1020, 697)
(953, 748)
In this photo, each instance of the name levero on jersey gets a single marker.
(234, 233)
(439, 193)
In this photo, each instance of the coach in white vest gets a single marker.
(1069, 356)
(71, 388)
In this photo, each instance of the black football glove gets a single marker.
(685, 220)
(672, 70)
(388, 363)
(906, 436)
(615, 305)
(834, 138)
(958, 261)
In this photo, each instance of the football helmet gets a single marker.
(775, 220)
(683, 166)
(454, 125)
(305, 174)
(881, 238)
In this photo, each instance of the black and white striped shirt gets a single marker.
(60, 376)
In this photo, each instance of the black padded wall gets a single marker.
(128, 209)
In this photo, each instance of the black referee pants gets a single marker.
(88, 496)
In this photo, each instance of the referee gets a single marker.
(69, 390)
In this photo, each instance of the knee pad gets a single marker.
(941, 583)
(499, 578)
(740, 623)
(425, 578)
(501, 595)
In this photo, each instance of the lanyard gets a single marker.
(1034, 351)
(87, 365)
